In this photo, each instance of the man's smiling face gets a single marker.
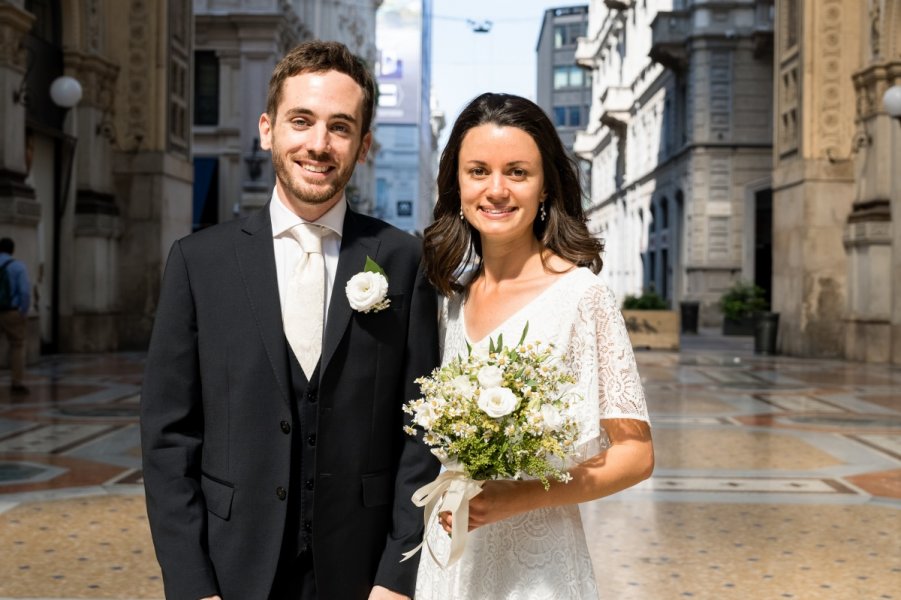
(315, 139)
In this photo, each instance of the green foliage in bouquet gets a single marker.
(500, 414)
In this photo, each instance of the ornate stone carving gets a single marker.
(93, 30)
(138, 68)
(830, 98)
(14, 24)
(875, 26)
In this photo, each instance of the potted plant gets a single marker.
(740, 305)
(650, 323)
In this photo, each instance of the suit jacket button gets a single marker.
(281, 492)
(308, 526)
(310, 484)
(311, 396)
(286, 427)
(311, 439)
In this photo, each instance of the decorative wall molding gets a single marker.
(138, 68)
(14, 24)
(829, 96)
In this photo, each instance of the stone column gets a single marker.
(19, 211)
(89, 298)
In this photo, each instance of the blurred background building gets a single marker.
(158, 137)
(405, 139)
(563, 88)
(679, 138)
(726, 140)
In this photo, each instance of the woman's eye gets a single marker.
(477, 171)
(518, 173)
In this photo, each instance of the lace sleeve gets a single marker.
(605, 345)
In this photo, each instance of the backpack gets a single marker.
(6, 288)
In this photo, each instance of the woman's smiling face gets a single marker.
(501, 181)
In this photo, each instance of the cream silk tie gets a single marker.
(305, 306)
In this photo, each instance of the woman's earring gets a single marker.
(461, 212)
(543, 214)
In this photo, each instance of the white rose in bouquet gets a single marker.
(497, 402)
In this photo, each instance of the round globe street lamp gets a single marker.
(65, 91)
(891, 101)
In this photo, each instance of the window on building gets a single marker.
(568, 34)
(561, 77)
(206, 88)
(559, 34)
(570, 76)
(560, 116)
(575, 116)
(576, 77)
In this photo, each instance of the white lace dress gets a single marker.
(542, 554)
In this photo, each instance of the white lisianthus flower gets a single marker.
(490, 376)
(497, 401)
(551, 417)
(367, 291)
(463, 386)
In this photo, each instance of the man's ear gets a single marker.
(265, 132)
(364, 147)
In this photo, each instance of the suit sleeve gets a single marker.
(171, 440)
(417, 466)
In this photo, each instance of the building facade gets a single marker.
(163, 141)
(680, 144)
(95, 194)
(405, 181)
(837, 185)
(563, 88)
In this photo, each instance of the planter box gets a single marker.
(744, 326)
(653, 329)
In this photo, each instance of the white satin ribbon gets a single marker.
(450, 492)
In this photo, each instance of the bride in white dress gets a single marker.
(509, 193)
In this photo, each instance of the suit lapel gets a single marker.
(256, 262)
(356, 245)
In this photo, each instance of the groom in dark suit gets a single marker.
(275, 464)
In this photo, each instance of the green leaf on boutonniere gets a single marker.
(373, 267)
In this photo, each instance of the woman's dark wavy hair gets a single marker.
(451, 244)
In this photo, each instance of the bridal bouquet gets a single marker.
(500, 414)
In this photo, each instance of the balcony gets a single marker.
(616, 107)
(587, 51)
(669, 35)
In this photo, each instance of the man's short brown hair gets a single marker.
(318, 56)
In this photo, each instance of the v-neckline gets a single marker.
(515, 313)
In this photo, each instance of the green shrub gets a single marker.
(742, 300)
(649, 300)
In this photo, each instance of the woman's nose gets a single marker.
(497, 186)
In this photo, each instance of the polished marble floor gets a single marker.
(776, 478)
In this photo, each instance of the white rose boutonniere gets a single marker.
(368, 291)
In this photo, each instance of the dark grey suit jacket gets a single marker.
(216, 392)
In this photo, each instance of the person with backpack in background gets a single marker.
(15, 301)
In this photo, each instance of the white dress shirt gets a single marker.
(288, 251)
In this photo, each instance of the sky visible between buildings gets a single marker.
(467, 62)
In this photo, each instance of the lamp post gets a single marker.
(891, 101)
(66, 92)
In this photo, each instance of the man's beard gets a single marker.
(308, 193)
